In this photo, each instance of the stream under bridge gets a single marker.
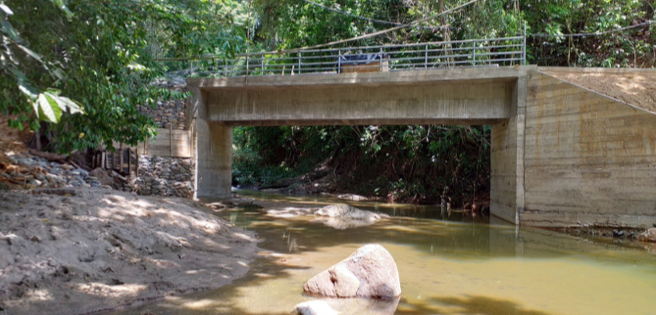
(570, 146)
(562, 154)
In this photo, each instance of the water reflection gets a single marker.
(463, 265)
(392, 209)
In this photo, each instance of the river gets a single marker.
(448, 264)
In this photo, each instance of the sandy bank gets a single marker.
(84, 251)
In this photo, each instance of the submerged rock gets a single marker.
(290, 212)
(369, 272)
(346, 211)
(314, 308)
(341, 216)
(359, 306)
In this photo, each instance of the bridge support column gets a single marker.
(507, 199)
(213, 142)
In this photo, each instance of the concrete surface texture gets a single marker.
(562, 155)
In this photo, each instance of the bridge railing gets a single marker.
(492, 52)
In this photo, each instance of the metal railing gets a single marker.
(493, 52)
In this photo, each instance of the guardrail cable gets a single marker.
(350, 14)
(648, 22)
(365, 36)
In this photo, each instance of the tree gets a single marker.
(99, 54)
(49, 105)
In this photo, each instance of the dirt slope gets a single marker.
(81, 251)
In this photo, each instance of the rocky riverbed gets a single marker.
(80, 251)
(27, 171)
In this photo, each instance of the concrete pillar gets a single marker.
(213, 144)
(507, 179)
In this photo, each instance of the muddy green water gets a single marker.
(453, 264)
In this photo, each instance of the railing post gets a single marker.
(191, 69)
(262, 60)
(339, 61)
(248, 59)
(299, 62)
(474, 53)
(524, 49)
(426, 58)
(380, 68)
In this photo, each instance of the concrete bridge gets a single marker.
(562, 154)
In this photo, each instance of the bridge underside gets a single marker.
(558, 151)
(362, 122)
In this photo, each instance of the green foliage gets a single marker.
(100, 54)
(295, 23)
(264, 155)
(634, 47)
(49, 105)
(401, 163)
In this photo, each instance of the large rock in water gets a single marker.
(347, 212)
(341, 216)
(648, 236)
(369, 272)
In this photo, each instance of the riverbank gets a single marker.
(82, 251)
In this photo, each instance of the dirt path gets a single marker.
(84, 251)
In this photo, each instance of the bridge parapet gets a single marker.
(490, 52)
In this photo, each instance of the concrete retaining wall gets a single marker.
(169, 143)
(589, 159)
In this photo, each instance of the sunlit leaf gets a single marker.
(47, 108)
(30, 53)
(6, 9)
(8, 29)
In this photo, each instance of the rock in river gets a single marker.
(341, 216)
(369, 272)
(314, 308)
(648, 236)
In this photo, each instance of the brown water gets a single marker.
(448, 265)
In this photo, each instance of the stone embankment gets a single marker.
(168, 114)
(165, 176)
(27, 171)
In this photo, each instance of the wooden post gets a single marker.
(120, 159)
(136, 167)
(129, 161)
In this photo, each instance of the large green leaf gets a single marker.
(49, 106)
(47, 109)
(65, 103)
